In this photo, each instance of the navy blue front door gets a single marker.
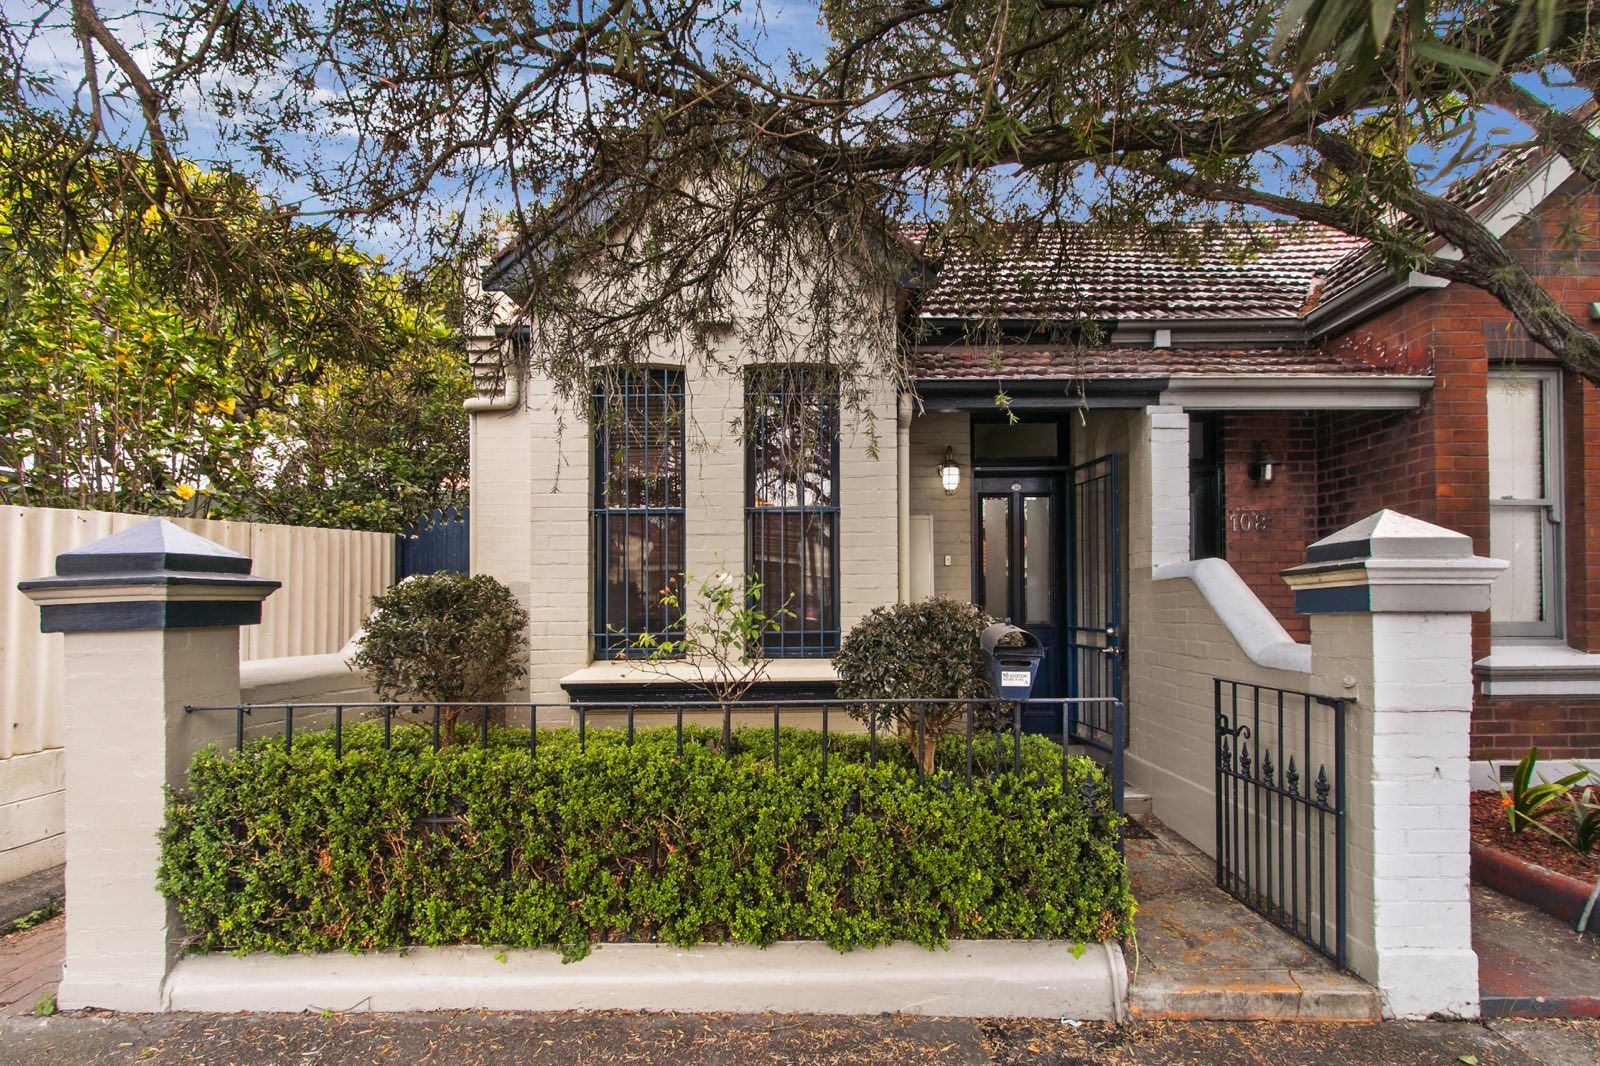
(1020, 578)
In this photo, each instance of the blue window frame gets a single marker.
(792, 505)
(637, 510)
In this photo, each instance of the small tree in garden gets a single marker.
(444, 638)
(923, 650)
(718, 648)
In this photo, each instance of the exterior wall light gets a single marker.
(1261, 468)
(949, 472)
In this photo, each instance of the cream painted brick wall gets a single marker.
(531, 492)
(952, 515)
(1177, 646)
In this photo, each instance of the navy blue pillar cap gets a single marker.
(155, 575)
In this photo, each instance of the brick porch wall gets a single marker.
(1288, 505)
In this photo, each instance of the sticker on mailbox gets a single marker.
(1009, 678)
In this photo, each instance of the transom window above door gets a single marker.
(637, 510)
(1525, 501)
(1022, 437)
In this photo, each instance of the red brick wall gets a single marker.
(1562, 729)
(1433, 462)
(1581, 447)
(1288, 505)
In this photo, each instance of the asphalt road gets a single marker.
(468, 1038)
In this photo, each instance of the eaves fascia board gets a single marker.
(1311, 392)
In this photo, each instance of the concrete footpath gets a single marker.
(470, 1038)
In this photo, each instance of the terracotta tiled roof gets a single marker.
(933, 363)
(1068, 272)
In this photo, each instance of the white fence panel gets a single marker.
(329, 578)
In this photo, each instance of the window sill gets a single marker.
(1542, 669)
(614, 680)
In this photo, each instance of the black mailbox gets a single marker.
(1011, 658)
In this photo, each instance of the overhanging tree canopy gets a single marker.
(660, 160)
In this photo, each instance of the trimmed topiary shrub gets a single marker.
(444, 638)
(923, 650)
(269, 850)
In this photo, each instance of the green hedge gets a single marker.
(280, 851)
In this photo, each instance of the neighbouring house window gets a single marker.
(1525, 501)
(638, 508)
(1205, 486)
(792, 505)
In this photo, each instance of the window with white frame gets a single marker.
(1525, 501)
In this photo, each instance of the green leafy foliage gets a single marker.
(923, 650)
(1585, 812)
(312, 385)
(444, 638)
(301, 850)
(110, 400)
(1526, 801)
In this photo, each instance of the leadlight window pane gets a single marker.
(638, 509)
(792, 513)
(1038, 573)
(995, 550)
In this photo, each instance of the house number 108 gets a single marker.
(1247, 521)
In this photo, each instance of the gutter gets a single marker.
(1365, 299)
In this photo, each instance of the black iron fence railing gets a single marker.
(988, 733)
(1280, 773)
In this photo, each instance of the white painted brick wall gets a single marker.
(1408, 814)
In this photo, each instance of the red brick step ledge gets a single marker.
(1554, 893)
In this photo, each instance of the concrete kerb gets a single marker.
(975, 978)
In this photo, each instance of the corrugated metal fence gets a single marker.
(329, 577)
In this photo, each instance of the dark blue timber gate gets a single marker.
(434, 543)
(1280, 762)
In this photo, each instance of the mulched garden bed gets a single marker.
(1490, 828)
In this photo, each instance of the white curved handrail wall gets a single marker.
(1253, 627)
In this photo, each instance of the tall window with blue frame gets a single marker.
(792, 505)
(637, 510)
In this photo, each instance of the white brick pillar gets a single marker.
(151, 620)
(1167, 429)
(1391, 600)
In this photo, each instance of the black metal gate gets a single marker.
(1094, 591)
(1280, 825)
(434, 543)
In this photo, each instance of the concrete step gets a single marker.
(1201, 954)
(1136, 803)
(1270, 995)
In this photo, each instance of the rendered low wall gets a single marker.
(981, 978)
(329, 578)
